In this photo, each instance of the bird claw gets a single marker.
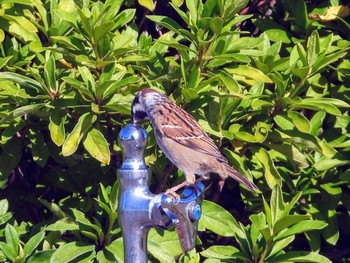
(171, 193)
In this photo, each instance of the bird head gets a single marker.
(143, 104)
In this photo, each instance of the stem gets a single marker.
(267, 248)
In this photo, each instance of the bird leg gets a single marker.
(172, 190)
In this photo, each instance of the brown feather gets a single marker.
(182, 127)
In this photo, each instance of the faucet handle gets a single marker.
(187, 212)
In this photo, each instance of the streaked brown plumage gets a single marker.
(182, 139)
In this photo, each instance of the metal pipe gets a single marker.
(140, 210)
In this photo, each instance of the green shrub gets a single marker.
(269, 85)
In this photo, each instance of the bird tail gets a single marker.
(239, 177)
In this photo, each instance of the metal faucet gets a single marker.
(140, 210)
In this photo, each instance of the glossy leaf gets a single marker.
(216, 219)
(72, 141)
(41, 256)
(70, 251)
(33, 243)
(96, 144)
(272, 176)
(223, 252)
(301, 256)
(12, 238)
(56, 127)
(157, 240)
(147, 3)
(301, 227)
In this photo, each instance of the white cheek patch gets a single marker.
(138, 107)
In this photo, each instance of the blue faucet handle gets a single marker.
(185, 213)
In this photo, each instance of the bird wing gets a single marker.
(184, 129)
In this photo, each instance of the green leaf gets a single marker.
(271, 174)
(50, 73)
(21, 111)
(67, 16)
(302, 72)
(288, 206)
(71, 251)
(192, 6)
(230, 83)
(280, 245)
(216, 219)
(291, 152)
(33, 243)
(302, 54)
(238, 132)
(64, 224)
(115, 85)
(288, 221)
(277, 34)
(222, 252)
(177, 3)
(9, 158)
(248, 74)
(8, 251)
(319, 104)
(326, 163)
(194, 78)
(164, 245)
(276, 204)
(316, 122)
(175, 44)
(301, 227)
(56, 126)
(268, 213)
(41, 256)
(72, 141)
(216, 25)
(2, 35)
(12, 238)
(299, 256)
(167, 22)
(313, 48)
(331, 232)
(4, 206)
(3, 61)
(96, 144)
(101, 30)
(22, 22)
(147, 3)
(54, 208)
(117, 249)
(79, 86)
(88, 78)
(21, 80)
(12, 129)
(300, 121)
(5, 218)
(123, 18)
(40, 153)
(86, 225)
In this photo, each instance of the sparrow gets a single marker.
(182, 140)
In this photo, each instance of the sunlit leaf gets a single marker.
(70, 251)
(72, 141)
(96, 144)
